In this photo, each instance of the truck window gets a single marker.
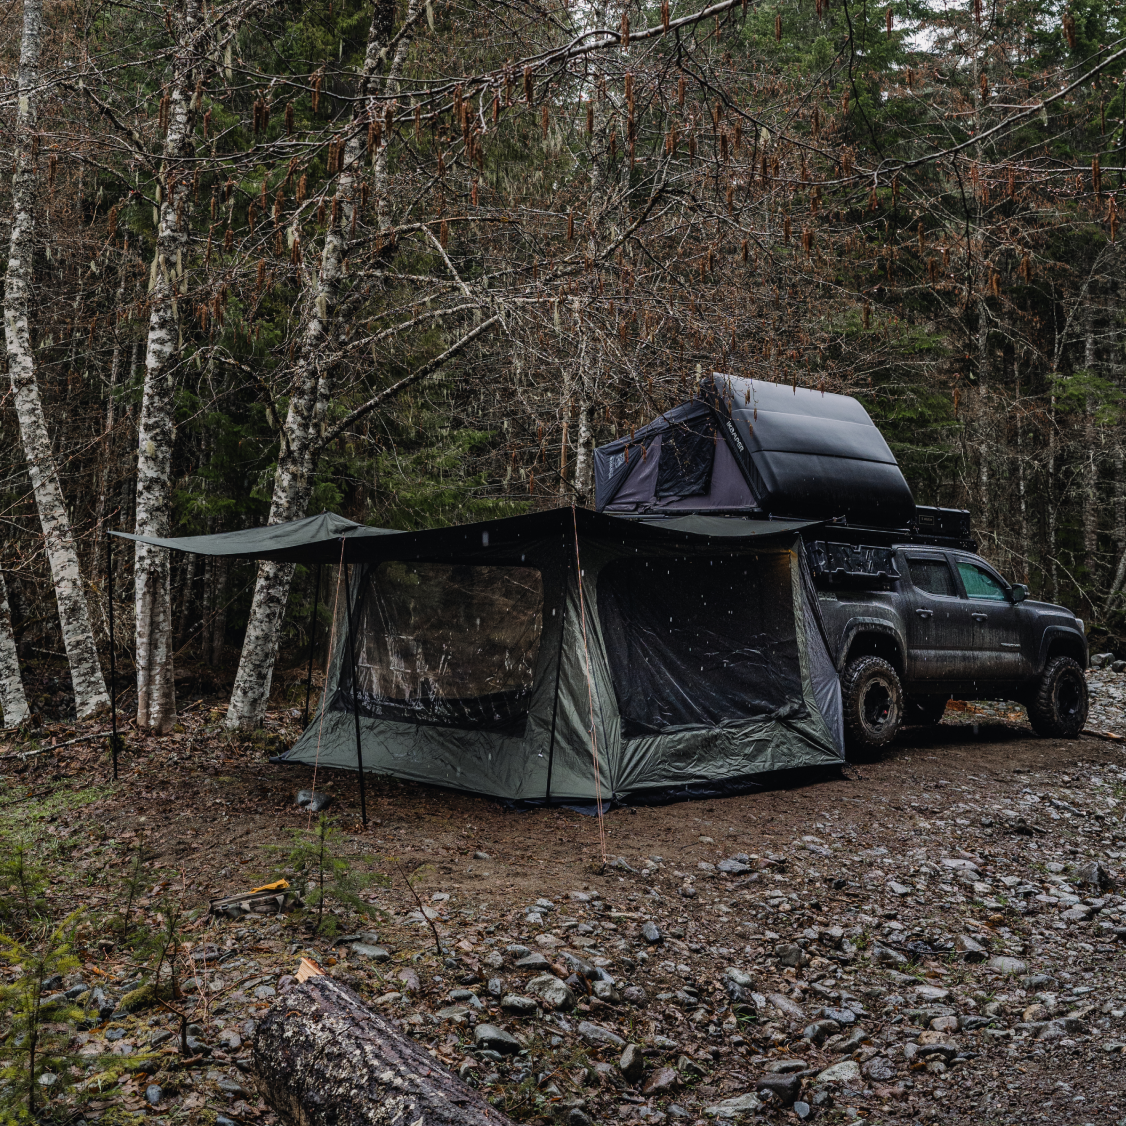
(979, 583)
(932, 576)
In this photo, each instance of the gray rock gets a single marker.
(1101, 659)
(734, 1108)
(76, 991)
(634, 995)
(687, 891)
(605, 991)
(554, 993)
(632, 1063)
(115, 1034)
(1080, 913)
(1093, 873)
(787, 1067)
(153, 1094)
(847, 1071)
(522, 1006)
(651, 933)
(897, 888)
(841, 1016)
(929, 1051)
(495, 986)
(534, 961)
(739, 977)
(879, 1069)
(784, 1005)
(932, 992)
(820, 1031)
(265, 993)
(785, 1088)
(791, 955)
(662, 1080)
(1118, 666)
(223, 1120)
(596, 1034)
(885, 956)
(577, 1117)
(232, 1087)
(375, 953)
(970, 949)
(313, 801)
(733, 867)
(481, 856)
(517, 951)
(802, 1109)
(495, 1039)
(1000, 963)
(230, 1039)
(159, 1038)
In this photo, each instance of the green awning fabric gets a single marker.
(318, 539)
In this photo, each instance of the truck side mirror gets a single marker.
(1020, 592)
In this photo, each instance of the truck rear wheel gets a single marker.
(873, 703)
(1059, 707)
(924, 711)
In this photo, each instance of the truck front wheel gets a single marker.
(1059, 707)
(873, 703)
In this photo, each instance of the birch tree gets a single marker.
(74, 615)
(312, 377)
(13, 701)
(156, 694)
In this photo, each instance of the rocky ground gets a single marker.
(934, 935)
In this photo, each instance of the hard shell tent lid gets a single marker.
(777, 449)
(570, 656)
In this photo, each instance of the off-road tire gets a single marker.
(1058, 710)
(924, 711)
(873, 704)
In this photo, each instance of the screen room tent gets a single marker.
(566, 655)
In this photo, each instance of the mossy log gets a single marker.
(323, 1058)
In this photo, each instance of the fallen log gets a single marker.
(323, 1058)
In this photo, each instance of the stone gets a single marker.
(312, 801)
(596, 1034)
(1003, 964)
(231, 1087)
(879, 1069)
(115, 1034)
(885, 956)
(481, 856)
(802, 1109)
(533, 962)
(605, 991)
(1118, 666)
(740, 977)
(840, 1016)
(931, 992)
(847, 1071)
(785, 1088)
(651, 933)
(662, 1079)
(734, 1108)
(733, 867)
(1101, 659)
(495, 986)
(820, 1031)
(664, 1043)
(1080, 913)
(266, 992)
(957, 864)
(153, 1094)
(944, 1050)
(230, 1039)
(791, 955)
(970, 949)
(223, 1120)
(554, 993)
(897, 888)
(375, 953)
(517, 951)
(786, 1067)
(784, 1005)
(495, 1039)
(159, 1038)
(632, 1063)
(635, 995)
(687, 891)
(945, 1024)
(521, 1006)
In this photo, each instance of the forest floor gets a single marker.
(917, 936)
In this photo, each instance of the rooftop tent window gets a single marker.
(448, 644)
(700, 642)
(687, 454)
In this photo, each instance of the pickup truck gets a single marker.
(946, 624)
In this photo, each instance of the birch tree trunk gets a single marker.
(312, 382)
(156, 695)
(12, 698)
(74, 614)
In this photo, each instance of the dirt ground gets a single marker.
(850, 900)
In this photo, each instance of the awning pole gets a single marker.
(112, 656)
(312, 645)
(355, 693)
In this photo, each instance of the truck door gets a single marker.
(998, 625)
(938, 624)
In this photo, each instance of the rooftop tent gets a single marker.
(566, 655)
(774, 449)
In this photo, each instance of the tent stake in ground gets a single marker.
(355, 688)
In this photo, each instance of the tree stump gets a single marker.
(323, 1058)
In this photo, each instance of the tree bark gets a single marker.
(156, 694)
(323, 1058)
(74, 613)
(309, 401)
(12, 698)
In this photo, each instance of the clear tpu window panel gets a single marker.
(700, 642)
(447, 644)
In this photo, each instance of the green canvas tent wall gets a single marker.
(569, 656)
